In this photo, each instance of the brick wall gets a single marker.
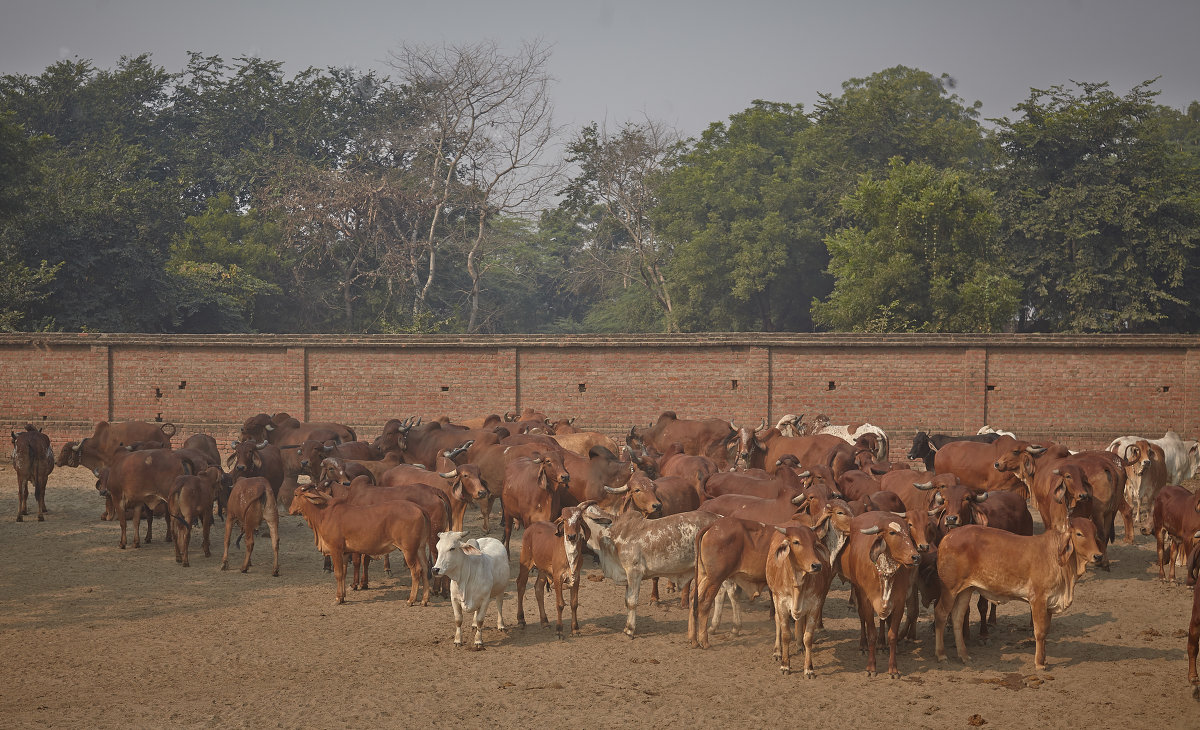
(1082, 390)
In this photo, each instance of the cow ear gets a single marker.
(1064, 553)
(783, 549)
(558, 527)
(459, 492)
(471, 550)
(877, 548)
(981, 517)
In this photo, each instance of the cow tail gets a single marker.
(695, 589)
(168, 430)
(269, 501)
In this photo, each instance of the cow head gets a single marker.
(893, 543)
(256, 428)
(573, 529)
(1078, 538)
(551, 470)
(452, 552)
(466, 482)
(955, 506)
(801, 550)
(791, 425)
(638, 493)
(246, 459)
(1010, 454)
(921, 446)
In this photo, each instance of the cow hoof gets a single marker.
(810, 674)
(187, 564)
(224, 567)
(458, 643)
(477, 647)
(546, 624)
(894, 675)
(41, 518)
(870, 672)
(178, 559)
(776, 655)
(245, 570)
(388, 573)
(785, 670)
(20, 518)
(520, 623)
(1196, 692)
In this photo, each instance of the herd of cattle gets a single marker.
(714, 508)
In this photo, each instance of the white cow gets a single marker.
(1183, 457)
(989, 429)
(632, 547)
(478, 572)
(850, 433)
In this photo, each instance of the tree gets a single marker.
(921, 256)
(21, 286)
(616, 188)
(1101, 212)
(747, 254)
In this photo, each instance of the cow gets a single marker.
(695, 469)
(312, 452)
(811, 451)
(1145, 475)
(983, 465)
(880, 561)
(852, 433)
(1182, 456)
(1173, 518)
(925, 446)
(206, 445)
(1040, 570)
(676, 494)
(251, 501)
(798, 573)
(423, 444)
(987, 430)
(96, 451)
(857, 484)
(546, 547)
(191, 500)
(478, 572)
(709, 437)
(341, 527)
(582, 442)
(33, 460)
(1193, 642)
(750, 452)
(257, 459)
(632, 547)
(137, 479)
(281, 429)
(533, 491)
(463, 485)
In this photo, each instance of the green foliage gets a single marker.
(1101, 212)
(920, 257)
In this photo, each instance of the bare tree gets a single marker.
(618, 173)
(487, 126)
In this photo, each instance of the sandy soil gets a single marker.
(95, 636)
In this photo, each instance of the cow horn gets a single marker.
(933, 512)
(327, 448)
(804, 474)
(1035, 450)
(77, 447)
(872, 530)
(924, 486)
(762, 426)
(618, 490)
(234, 444)
(1056, 472)
(448, 474)
(263, 445)
(269, 427)
(981, 497)
(799, 499)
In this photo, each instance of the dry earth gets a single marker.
(95, 636)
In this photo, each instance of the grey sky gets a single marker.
(684, 63)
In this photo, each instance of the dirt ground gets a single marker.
(95, 636)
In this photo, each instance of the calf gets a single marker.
(1173, 519)
(33, 460)
(478, 572)
(341, 528)
(632, 547)
(730, 549)
(798, 573)
(546, 547)
(925, 446)
(880, 561)
(1039, 570)
(192, 500)
(251, 501)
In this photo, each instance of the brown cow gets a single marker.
(191, 500)
(819, 450)
(33, 460)
(695, 469)
(583, 441)
(880, 561)
(980, 465)
(1039, 570)
(463, 485)
(711, 437)
(96, 451)
(257, 459)
(533, 490)
(283, 430)
(312, 452)
(1173, 519)
(137, 479)
(798, 574)
(342, 528)
(546, 547)
(252, 501)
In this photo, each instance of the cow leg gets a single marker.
(485, 512)
(422, 562)
(1193, 645)
(228, 534)
(941, 610)
(982, 606)
(560, 604)
(183, 540)
(119, 507)
(356, 561)
(456, 605)
(39, 491)
(206, 522)
(961, 614)
(735, 607)
(654, 599)
(807, 624)
(477, 623)
(912, 611)
(522, 583)
(1127, 520)
(539, 592)
(1041, 624)
(418, 568)
(706, 592)
(1160, 538)
(251, 530)
(893, 635)
(575, 604)
(500, 612)
(22, 499)
(339, 570)
(366, 564)
(387, 565)
(633, 588)
(783, 637)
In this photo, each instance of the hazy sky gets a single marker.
(684, 63)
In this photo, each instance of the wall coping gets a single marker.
(736, 339)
